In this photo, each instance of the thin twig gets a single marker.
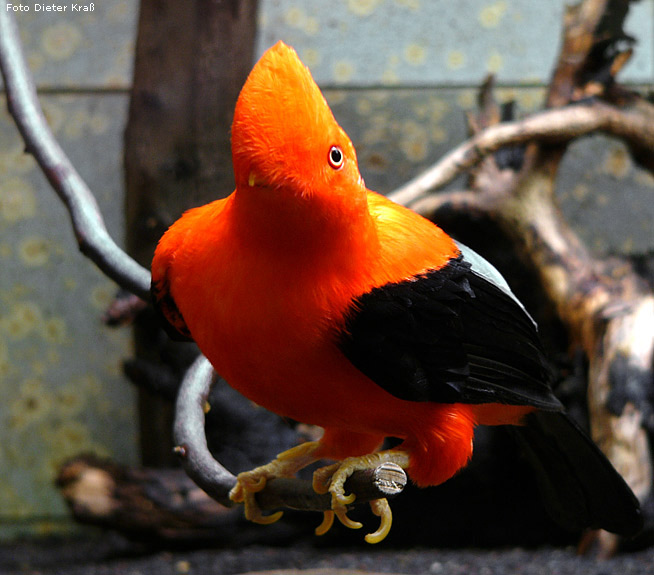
(463, 201)
(90, 230)
(559, 125)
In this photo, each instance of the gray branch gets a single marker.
(88, 225)
(190, 437)
(386, 480)
(560, 125)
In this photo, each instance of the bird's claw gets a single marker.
(332, 479)
(327, 522)
(248, 484)
(381, 509)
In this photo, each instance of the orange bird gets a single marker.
(329, 304)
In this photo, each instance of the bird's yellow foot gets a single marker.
(332, 479)
(249, 483)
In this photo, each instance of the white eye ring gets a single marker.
(336, 157)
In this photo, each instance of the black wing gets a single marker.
(579, 486)
(454, 335)
(170, 317)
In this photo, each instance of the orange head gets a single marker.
(285, 140)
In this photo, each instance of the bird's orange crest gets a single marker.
(284, 136)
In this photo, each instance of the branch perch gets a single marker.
(387, 480)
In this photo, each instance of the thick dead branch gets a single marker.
(144, 502)
(607, 307)
(162, 503)
(89, 227)
(594, 49)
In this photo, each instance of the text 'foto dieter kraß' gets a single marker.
(73, 7)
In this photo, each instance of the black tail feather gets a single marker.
(580, 487)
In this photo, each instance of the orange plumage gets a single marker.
(268, 281)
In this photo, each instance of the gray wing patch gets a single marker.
(484, 269)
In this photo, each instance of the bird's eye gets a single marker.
(336, 157)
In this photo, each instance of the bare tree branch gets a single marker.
(189, 433)
(559, 126)
(90, 230)
(607, 308)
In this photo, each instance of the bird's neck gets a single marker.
(301, 229)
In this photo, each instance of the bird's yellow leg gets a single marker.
(249, 483)
(332, 479)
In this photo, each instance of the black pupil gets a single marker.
(336, 156)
